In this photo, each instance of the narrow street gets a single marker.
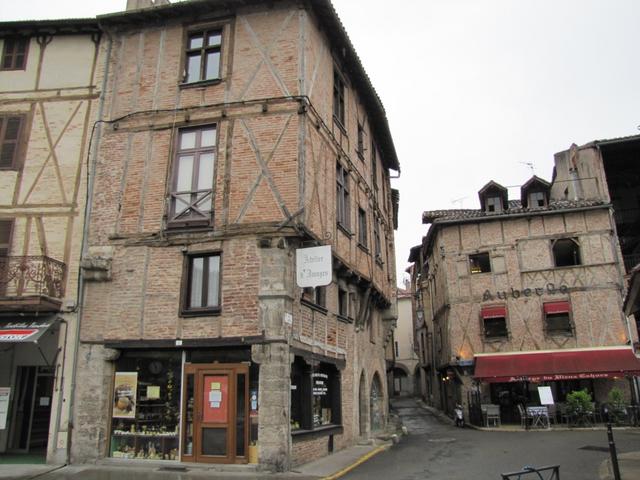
(435, 449)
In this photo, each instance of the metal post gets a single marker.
(612, 448)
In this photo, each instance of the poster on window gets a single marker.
(216, 400)
(124, 394)
(5, 393)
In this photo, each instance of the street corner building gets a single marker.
(48, 101)
(526, 293)
(233, 134)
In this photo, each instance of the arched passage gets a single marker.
(376, 405)
(362, 405)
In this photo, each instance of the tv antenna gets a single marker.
(459, 201)
(530, 165)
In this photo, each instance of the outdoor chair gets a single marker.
(553, 413)
(493, 415)
(524, 418)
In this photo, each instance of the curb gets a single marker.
(358, 462)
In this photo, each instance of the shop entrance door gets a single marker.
(215, 428)
(32, 411)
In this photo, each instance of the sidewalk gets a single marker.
(331, 467)
(629, 464)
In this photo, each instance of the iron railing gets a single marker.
(542, 473)
(31, 275)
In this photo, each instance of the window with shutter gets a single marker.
(11, 127)
(14, 53)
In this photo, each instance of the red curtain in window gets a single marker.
(557, 307)
(494, 312)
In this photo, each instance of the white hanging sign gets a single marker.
(313, 266)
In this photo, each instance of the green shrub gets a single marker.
(579, 402)
(617, 410)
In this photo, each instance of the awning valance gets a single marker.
(494, 312)
(557, 365)
(29, 329)
(557, 307)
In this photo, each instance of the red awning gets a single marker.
(494, 312)
(560, 365)
(557, 307)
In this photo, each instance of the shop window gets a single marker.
(192, 183)
(203, 55)
(566, 252)
(494, 322)
(201, 287)
(494, 204)
(338, 98)
(146, 405)
(11, 141)
(14, 53)
(342, 198)
(557, 319)
(362, 228)
(480, 263)
(315, 395)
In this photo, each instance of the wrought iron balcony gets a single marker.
(33, 283)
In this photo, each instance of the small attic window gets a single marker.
(537, 200)
(566, 252)
(494, 205)
(480, 263)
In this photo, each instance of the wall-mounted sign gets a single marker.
(124, 394)
(24, 331)
(313, 266)
(550, 289)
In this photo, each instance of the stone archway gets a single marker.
(376, 404)
(362, 405)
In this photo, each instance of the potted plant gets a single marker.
(617, 410)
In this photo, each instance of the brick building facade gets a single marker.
(231, 135)
(49, 72)
(519, 294)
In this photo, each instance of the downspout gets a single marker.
(85, 240)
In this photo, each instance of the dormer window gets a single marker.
(494, 204)
(535, 193)
(493, 198)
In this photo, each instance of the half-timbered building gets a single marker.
(48, 103)
(232, 135)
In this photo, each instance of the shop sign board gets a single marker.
(320, 384)
(24, 331)
(546, 395)
(124, 394)
(313, 266)
(5, 394)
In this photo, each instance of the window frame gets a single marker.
(19, 142)
(315, 298)
(343, 202)
(186, 310)
(339, 99)
(577, 258)
(342, 310)
(487, 314)
(187, 52)
(479, 255)
(496, 202)
(363, 233)
(25, 54)
(569, 331)
(374, 166)
(10, 224)
(175, 219)
(533, 197)
(360, 142)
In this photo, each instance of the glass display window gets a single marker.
(146, 405)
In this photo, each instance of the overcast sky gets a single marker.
(475, 90)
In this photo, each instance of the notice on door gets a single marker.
(5, 393)
(216, 400)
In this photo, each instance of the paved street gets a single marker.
(438, 450)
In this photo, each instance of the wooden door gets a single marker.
(215, 425)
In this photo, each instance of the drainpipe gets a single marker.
(85, 241)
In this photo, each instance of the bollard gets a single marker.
(612, 447)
